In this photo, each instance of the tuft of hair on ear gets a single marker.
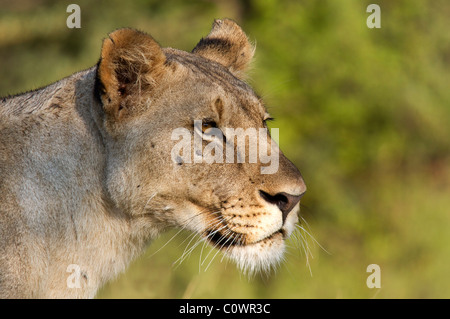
(131, 62)
(228, 45)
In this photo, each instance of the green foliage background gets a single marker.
(364, 113)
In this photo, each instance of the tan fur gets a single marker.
(86, 176)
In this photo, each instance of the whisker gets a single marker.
(188, 250)
(190, 219)
(312, 237)
(205, 242)
(150, 198)
(212, 234)
(219, 249)
(305, 246)
(167, 242)
(239, 241)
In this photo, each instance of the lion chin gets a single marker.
(262, 256)
(252, 257)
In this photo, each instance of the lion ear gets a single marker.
(228, 45)
(131, 62)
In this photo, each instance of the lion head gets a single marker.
(188, 145)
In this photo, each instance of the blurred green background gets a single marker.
(364, 113)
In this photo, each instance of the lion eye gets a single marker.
(206, 126)
(207, 129)
(268, 119)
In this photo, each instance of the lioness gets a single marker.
(87, 178)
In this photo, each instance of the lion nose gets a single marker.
(285, 202)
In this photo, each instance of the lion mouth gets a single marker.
(233, 239)
(250, 256)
